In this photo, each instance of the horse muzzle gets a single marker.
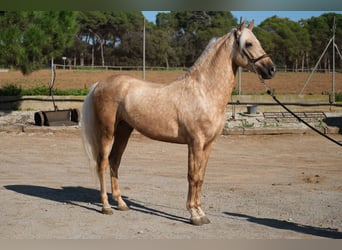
(262, 65)
(265, 68)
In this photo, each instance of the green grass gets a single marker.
(10, 90)
(14, 90)
(338, 97)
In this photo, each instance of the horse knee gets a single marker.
(194, 178)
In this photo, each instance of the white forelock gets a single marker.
(243, 39)
(244, 36)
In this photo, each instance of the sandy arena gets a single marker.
(256, 187)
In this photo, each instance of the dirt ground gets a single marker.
(282, 83)
(256, 187)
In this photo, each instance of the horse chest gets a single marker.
(204, 122)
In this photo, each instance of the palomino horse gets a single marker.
(190, 110)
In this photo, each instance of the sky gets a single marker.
(258, 16)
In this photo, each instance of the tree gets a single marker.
(29, 39)
(92, 24)
(129, 37)
(320, 30)
(286, 40)
(111, 32)
(191, 31)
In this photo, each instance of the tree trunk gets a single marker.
(92, 56)
(81, 59)
(325, 64)
(102, 55)
(101, 41)
(166, 62)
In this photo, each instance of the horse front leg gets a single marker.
(205, 157)
(197, 160)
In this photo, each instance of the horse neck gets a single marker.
(215, 71)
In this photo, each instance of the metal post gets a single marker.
(52, 83)
(144, 51)
(64, 58)
(314, 69)
(52, 74)
(333, 72)
(239, 80)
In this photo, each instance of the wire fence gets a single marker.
(120, 68)
(161, 68)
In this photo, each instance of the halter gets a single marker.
(250, 58)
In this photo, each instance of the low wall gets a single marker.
(286, 99)
(66, 102)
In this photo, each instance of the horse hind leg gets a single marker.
(122, 134)
(102, 164)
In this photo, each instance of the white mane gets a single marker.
(211, 42)
(201, 59)
(208, 47)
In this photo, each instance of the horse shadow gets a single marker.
(81, 196)
(291, 226)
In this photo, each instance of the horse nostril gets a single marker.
(272, 70)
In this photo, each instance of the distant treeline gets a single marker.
(29, 39)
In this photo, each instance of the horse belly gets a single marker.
(154, 121)
(160, 132)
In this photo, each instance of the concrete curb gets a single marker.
(234, 131)
(277, 131)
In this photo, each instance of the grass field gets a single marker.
(283, 83)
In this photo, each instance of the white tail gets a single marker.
(87, 127)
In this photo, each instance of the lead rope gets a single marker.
(269, 92)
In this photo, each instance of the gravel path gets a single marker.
(256, 187)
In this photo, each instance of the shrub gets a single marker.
(14, 90)
(10, 90)
(39, 90)
(338, 97)
(76, 92)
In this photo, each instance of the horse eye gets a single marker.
(248, 45)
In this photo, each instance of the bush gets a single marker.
(338, 97)
(39, 90)
(235, 91)
(10, 90)
(76, 92)
(14, 90)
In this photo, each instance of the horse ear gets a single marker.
(242, 24)
(251, 25)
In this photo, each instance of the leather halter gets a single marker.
(250, 58)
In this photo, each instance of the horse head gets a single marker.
(249, 53)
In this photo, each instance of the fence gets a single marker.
(120, 68)
(152, 68)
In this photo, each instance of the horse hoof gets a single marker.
(123, 208)
(205, 220)
(197, 221)
(107, 211)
